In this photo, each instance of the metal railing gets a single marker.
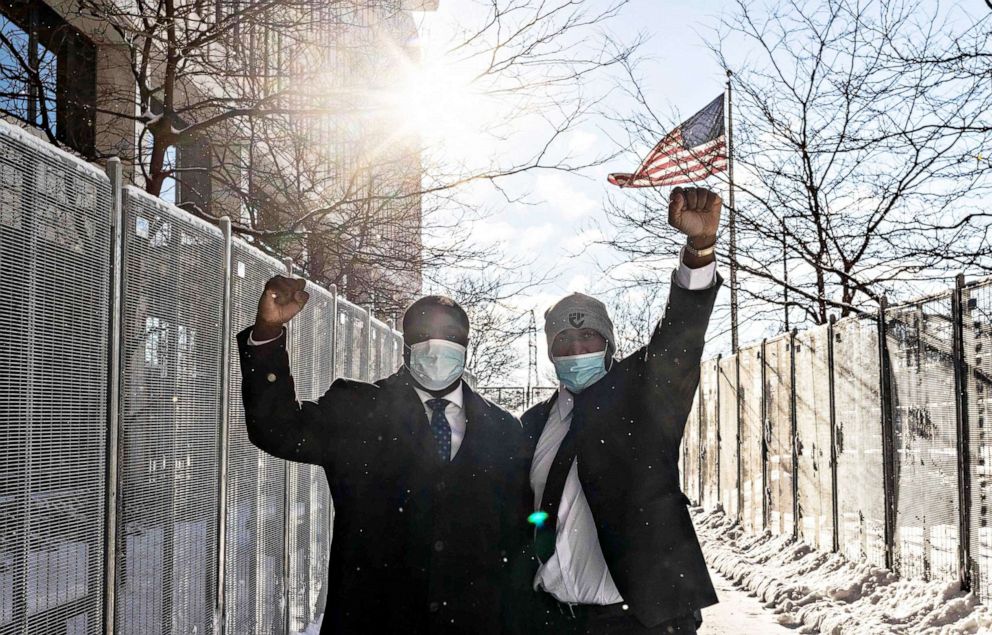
(131, 500)
(516, 399)
(868, 436)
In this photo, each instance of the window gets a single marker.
(61, 99)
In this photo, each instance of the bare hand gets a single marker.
(695, 211)
(281, 300)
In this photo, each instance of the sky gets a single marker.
(556, 229)
(554, 219)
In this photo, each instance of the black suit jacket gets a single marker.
(419, 545)
(629, 426)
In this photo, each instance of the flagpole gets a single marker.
(733, 220)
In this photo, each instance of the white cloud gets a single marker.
(563, 198)
(580, 141)
(535, 237)
(583, 240)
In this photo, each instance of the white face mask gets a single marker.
(436, 364)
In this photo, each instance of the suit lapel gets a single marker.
(535, 419)
(406, 405)
(476, 423)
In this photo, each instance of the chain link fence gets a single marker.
(131, 500)
(868, 436)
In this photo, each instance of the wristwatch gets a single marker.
(705, 251)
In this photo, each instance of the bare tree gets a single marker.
(272, 112)
(634, 314)
(496, 325)
(858, 126)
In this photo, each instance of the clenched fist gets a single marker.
(281, 300)
(695, 211)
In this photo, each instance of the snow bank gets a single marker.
(821, 592)
(313, 629)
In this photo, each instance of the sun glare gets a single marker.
(438, 100)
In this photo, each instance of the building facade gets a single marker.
(255, 111)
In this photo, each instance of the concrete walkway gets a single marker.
(738, 613)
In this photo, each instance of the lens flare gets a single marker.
(538, 518)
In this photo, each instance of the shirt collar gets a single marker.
(455, 397)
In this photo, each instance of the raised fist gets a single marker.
(695, 211)
(281, 300)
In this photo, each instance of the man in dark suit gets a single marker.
(615, 548)
(426, 476)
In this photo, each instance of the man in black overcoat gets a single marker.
(615, 549)
(426, 476)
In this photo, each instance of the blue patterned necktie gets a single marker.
(440, 428)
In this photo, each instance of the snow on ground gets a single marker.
(738, 613)
(313, 629)
(821, 592)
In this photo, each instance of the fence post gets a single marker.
(765, 431)
(220, 609)
(335, 320)
(740, 436)
(287, 500)
(888, 451)
(390, 327)
(368, 343)
(835, 539)
(685, 451)
(700, 448)
(334, 331)
(958, 309)
(115, 174)
(719, 439)
(794, 433)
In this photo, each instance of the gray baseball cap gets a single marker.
(579, 311)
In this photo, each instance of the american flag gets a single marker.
(696, 149)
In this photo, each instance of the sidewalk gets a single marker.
(738, 613)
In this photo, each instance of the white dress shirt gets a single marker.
(576, 572)
(454, 412)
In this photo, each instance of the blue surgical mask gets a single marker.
(578, 372)
(436, 364)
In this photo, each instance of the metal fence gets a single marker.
(517, 399)
(131, 500)
(868, 436)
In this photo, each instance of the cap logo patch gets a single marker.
(576, 319)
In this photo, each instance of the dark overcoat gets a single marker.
(629, 426)
(419, 545)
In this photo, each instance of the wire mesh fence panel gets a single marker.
(977, 320)
(709, 434)
(813, 438)
(729, 440)
(920, 346)
(396, 354)
(254, 593)
(381, 346)
(689, 456)
(778, 434)
(860, 475)
(306, 347)
(375, 352)
(171, 327)
(298, 545)
(319, 504)
(752, 480)
(352, 349)
(54, 274)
